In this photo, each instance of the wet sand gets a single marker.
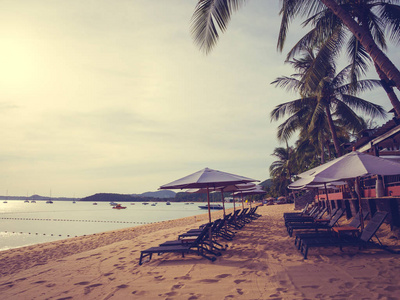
(260, 263)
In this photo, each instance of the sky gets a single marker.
(104, 96)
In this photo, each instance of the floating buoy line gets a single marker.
(63, 220)
(69, 220)
(48, 234)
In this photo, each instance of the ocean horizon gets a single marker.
(25, 223)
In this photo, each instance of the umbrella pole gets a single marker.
(360, 212)
(234, 206)
(223, 206)
(327, 199)
(242, 200)
(208, 201)
(209, 218)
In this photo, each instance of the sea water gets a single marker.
(23, 224)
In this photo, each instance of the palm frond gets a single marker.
(368, 108)
(206, 14)
(286, 108)
(390, 15)
(291, 9)
(359, 59)
(288, 83)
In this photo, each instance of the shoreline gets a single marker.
(260, 263)
(25, 257)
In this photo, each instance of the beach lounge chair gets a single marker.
(304, 220)
(231, 222)
(317, 214)
(355, 223)
(197, 246)
(215, 229)
(237, 220)
(324, 224)
(362, 240)
(303, 212)
(251, 215)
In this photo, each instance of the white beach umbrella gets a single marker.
(223, 189)
(252, 191)
(352, 166)
(208, 179)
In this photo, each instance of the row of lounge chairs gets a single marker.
(312, 230)
(203, 240)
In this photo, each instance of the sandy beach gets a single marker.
(260, 263)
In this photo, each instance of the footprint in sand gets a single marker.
(240, 291)
(122, 286)
(65, 298)
(89, 288)
(347, 285)
(40, 281)
(237, 281)
(108, 274)
(209, 280)
(392, 288)
(177, 286)
(79, 258)
(310, 286)
(223, 275)
(186, 277)
(82, 283)
(159, 278)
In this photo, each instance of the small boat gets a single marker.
(186, 203)
(154, 204)
(113, 203)
(212, 206)
(26, 201)
(133, 203)
(5, 202)
(168, 203)
(49, 202)
(94, 203)
(73, 202)
(145, 203)
(119, 206)
(33, 201)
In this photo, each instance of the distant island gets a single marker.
(164, 195)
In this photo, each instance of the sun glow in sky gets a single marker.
(113, 96)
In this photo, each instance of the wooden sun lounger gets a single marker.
(197, 247)
(361, 241)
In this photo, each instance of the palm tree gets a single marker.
(282, 169)
(322, 100)
(207, 11)
(363, 36)
(326, 25)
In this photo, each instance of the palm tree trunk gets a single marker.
(384, 63)
(322, 153)
(384, 79)
(388, 89)
(333, 132)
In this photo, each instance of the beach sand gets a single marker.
(260, 263)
